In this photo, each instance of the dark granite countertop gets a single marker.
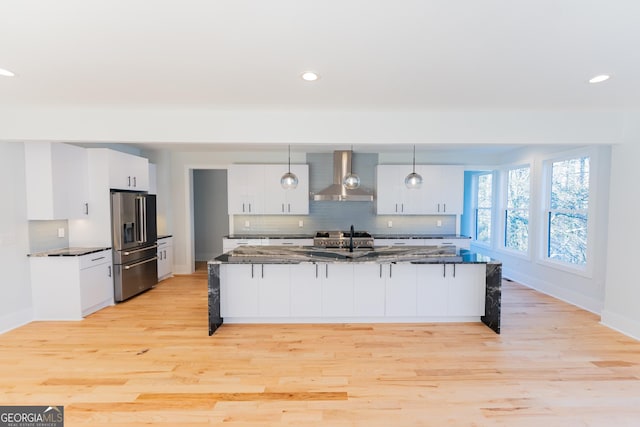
(68, 252)
(387, 254)
(419, 236)
(270, 236)
(164, 236)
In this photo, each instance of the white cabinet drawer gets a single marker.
(96, 258)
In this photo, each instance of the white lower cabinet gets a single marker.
(400, 290)
(69, 288)
(451, 290)
(306, 290)
(432, 291)
(334, 291)
(369, 290)
(274, 290)
(165, 258)
(337, 290)
(466, 284)
(238, 290)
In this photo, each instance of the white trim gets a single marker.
(548, 288)
(622, 324)
(15, 320)
(189, 220)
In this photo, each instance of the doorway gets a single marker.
(210, 215)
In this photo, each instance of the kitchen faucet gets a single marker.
(351, 239)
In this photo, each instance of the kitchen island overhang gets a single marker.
(301, 286)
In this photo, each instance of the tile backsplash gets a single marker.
(43, 235)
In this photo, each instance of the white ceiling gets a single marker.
(371, 54)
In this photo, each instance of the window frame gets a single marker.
(585, 270)
(504, 209)
(476, 181)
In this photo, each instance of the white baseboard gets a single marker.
(15, 320)
(622, 324)
(579, 300)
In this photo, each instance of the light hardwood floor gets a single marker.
(149, 361)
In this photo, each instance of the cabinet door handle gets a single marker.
(283, 207)
(249, 207)
(262, 270)
(135, 182)
(288, 207)
(252, 271)
(128, 181)
(96, 259)
(445, 207)
(444, 270)
(326, 271)
(402, 207)
(390, 270)
(396, 207)
(380, 270)
(109, 270)
(86, 208)
(316, 271)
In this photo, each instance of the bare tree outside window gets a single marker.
(516, 231)
(483, 209)
(567, 215)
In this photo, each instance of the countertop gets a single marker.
(270, 236)
(386, 254)
(375, 236)
(68, 252)
(164, 236)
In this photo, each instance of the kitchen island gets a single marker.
(304, 284)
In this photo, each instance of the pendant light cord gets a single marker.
(290, 158)
(414, 159)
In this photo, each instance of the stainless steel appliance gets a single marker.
(337, 191)
(134, 234)
(343, 239)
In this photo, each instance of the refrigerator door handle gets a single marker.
(146, 248)
(127, 267)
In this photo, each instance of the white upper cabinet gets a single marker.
(256, 190)
(128, 172)
(443, 189)
(56, 179)
(440, 194)
(294, 201)
(245, 189)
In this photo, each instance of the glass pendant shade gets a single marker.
(413, 180)
(289, 180)
(351, 181)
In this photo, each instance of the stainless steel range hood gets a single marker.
(337, 191)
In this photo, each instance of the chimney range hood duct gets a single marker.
(337, 191)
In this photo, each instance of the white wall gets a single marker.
(622, 294)
(15, 288)
(582, 289)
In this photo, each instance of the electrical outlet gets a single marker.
(301, 223)
(438, 223)
(390, 224)
(60, 232)
(247, 224)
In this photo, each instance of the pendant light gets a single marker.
(413, 180)
(351, 181)
(289, 180)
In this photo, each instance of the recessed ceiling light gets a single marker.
(310, 76)
(600, 78)
(6, 73)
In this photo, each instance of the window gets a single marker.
(567, 214)
(516, 217)
(483, 208)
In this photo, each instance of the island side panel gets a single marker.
(493, 297)
(215, 320)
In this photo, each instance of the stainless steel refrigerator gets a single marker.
(134, 235)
